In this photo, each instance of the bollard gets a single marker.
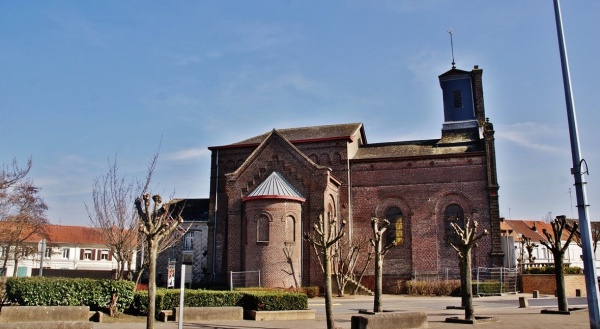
(536, 294)
(523, 302)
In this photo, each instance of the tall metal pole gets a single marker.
(589, 266)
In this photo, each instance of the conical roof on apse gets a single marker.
(275, 187)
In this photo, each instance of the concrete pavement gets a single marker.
(504, 308)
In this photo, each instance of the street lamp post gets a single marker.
(589, 268)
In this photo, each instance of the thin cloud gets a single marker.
(532, 135)
(187, 154)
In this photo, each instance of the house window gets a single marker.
(3, 251)
(188, 241)
(453, 214)
(104, 255)
(87, 254)
(262, 229)
(458, 103)
(395, 231)
(48, 253)
(65, 253)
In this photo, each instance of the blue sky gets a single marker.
(85, 81)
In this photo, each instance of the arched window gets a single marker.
(453, 214)
(290, 229)
(262, 229)
(395, 231)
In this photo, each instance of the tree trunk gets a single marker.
(152, 249)
(378, 280)
(467, 296)
(16, 267)
(559, 275)
(328, 293)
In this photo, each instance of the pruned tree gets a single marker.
(595, 229)
(529, 246)
(380, 250)
(159, 225)
(23, 217)
(114, 215)
(157, 221)
(464, 240)
(325, 236)
(554, 243)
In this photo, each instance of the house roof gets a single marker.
(528, 228)
(275, 186)
(347, 131)
(194, 210)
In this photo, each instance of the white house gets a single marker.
(67, 248)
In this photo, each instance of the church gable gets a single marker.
(275, 153)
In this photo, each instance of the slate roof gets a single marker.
(194, 210)
(414, 148)
(275, 186)
(346, 131)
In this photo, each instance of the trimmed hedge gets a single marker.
(167, 299)
(253, 300)
(274, 301)
(311, 292)
(550, 270)
(42, 291)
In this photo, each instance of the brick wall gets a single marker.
(546, 283)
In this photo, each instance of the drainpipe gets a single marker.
(214, 257)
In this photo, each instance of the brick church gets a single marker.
(267, 190)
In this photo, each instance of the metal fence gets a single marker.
(486, 280)
(244, 279)
(494, 280)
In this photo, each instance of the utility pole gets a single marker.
(589, 267)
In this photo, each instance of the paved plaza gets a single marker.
(504, 308)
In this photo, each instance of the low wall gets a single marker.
(44, 313)
(210, 313)
(391, 320)
(546, 284)
(47, 325)
(280, 315)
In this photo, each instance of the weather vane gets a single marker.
(452, 48)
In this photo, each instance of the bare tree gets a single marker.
(114, 216)
(595, 227)
(366, 263)
(324, 238)
(465, 239)
(554, 243)
(379, 227)
(10, 175)
(23, 218)
(344, 260)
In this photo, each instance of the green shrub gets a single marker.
(310, 292)
(274, 301)
(487, 288)
(254, 300)
(41, 291)
(550, 270)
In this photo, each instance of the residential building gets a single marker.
(76, 250)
